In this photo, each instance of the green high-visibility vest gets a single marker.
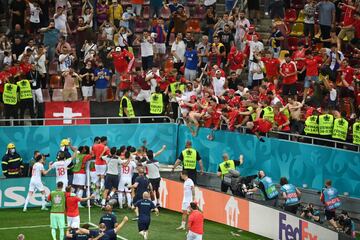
(177, 86)
(287, 113)
(226, 166)
(10, 94)
(356, 133)
(57, 202)
(253, 115)
(268, 114)
(25, 89)
(130, 108)
(311, 125)
(78, 163)
(340, 129)
(189, 158)
(326, 124)
(156, 103)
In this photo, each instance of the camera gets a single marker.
(239, 184)
(45, 155)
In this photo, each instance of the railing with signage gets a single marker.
(305, 138)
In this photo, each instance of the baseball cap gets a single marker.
(118, 49)
(218, 72)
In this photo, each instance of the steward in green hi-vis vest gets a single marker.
(311, 125)
(25, 89)
(326, 124)
(340, 129)
(254, 114)
(225, 166)
(268, 114)
(130, 109)
(10, 94)
(189, 160)
(156, 103)
(356, 133)
(177, 86)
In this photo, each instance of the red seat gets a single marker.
(293, 42)
(139, 25)
(46, 95)
(146, 12)
(165, 13)
(200, 11)
(193, 25)
(55, 82)
(290, 15)
(57, 95)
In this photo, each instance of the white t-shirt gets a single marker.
(218, 85)
(65, 62)
(122, 39)
(112, 165)
(88, 19)
(188, 186)
(257, 67)
(60, 23)
(127, 170)
(179, 49)
(109, 31)
(146, 48)
(61, 170)
(153, 169)
(41, 64)
(34, 13)
(36, 172)
(255, 47)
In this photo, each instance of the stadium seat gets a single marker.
(46, 95)
(169, 65)
(282, 54)
(139, 26)
(57, 95)
(110, 95)
(53, 67)
(146, 12)
(290, 15)
(193, 25)
(301, 16)
(55, 82)
(200, 11)
(165, 13)
(292, 43)
(297, 30)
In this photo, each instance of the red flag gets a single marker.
(69, 110)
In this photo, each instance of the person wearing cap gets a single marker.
(12, 163)
(195, 223)
(189, 157)
(225, 167)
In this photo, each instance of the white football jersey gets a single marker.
(188, 185)
(127, 170)
(61, 170)
(36, 172)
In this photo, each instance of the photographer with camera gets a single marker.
(347, 225)
(224, 171)
(291, 195)
(309, 213)
(329, 197)
(267, 188)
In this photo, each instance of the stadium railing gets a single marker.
(305, 139)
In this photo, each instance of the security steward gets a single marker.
(10, 100)
(340, 130)
(157, 103)
(312, 124)
(178, 85)
(356, 132)
(267, 188)
(26, 98)
(126, 107)
(225, 167)
(268, 113)
(188, 157)
(12, 164)
(326, 124)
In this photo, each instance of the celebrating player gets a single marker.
(35, 181)
(127, 168)
(143, 209)
(61, 166)
(79, 169)
(189, 196)
(100, 165)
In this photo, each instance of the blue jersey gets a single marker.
(191, 59)
(145, 206)
(101, 83)
(109, 220)
(108, 234)
(77, 236)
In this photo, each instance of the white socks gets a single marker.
(102, 181)
(43, 202)
(120, 198)
(128, 198)
(183, 224)
(26, 202)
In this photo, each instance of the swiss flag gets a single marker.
(68, 110)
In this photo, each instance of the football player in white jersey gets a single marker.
(126, 172)
(188, 197)
(61, 167)
(35, 181)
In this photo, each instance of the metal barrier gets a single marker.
(294, 137)
(74, 121)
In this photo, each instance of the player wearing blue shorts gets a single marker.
(143, 209)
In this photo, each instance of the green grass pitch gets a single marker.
(34, 224)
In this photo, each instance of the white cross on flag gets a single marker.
(68, 111)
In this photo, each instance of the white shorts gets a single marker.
(193, 236)
(185, 206)
(123, 182)
(143, 95)
(79, 179)
(36, 185)
(100, 169)
(87, 91)
(160, 48)
(94, 178)
(73, 222)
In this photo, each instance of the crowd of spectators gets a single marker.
(293, 64)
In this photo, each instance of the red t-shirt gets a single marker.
(348, 16)
(122, 60)
(72, 208)
(311, 67)
(299, 54)
(356, 25)
(348, 74)
(97, 149)
(144, 85)
(280, 119)
(261, 125)
(125, 85)
(271, 66)
(196, 222)
(236, 60)
(288, 68)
